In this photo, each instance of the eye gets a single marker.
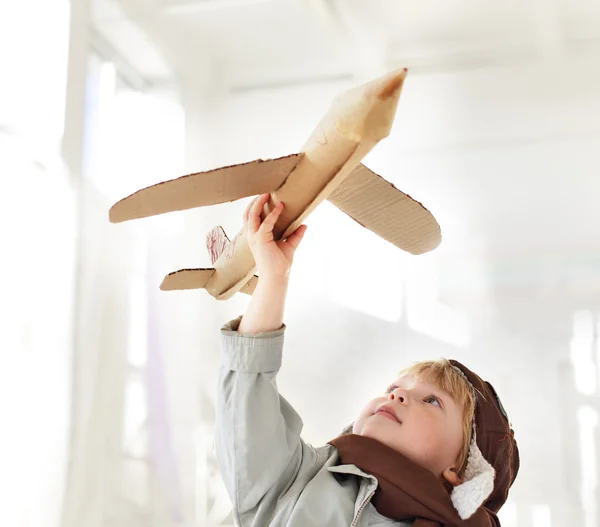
(432, 399)
(391, 388)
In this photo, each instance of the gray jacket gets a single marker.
(272, 476)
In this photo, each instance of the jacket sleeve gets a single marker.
(258, 445)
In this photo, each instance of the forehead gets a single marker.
(412, 382)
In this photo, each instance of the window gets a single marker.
(585, 350)
(135, 139)
(582, 352)
(32, 91)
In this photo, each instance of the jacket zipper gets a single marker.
(363, 505)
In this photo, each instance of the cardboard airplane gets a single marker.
(327, 167)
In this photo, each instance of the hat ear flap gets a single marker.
(477, 486)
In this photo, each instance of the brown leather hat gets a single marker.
(495, 437)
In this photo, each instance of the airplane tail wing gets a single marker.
(197, 279)
(187, 279)
(248, 289)
(379, 206)
(217, 243)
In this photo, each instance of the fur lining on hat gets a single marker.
(477, 486)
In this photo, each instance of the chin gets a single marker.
(374, 432)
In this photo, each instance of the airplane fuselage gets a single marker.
(357, 120)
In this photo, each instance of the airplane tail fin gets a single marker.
(216, 243)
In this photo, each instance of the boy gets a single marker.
(435, 449)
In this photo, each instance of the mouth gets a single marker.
(388, 414)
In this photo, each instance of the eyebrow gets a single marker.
(439, 392)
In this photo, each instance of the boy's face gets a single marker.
(417, 419)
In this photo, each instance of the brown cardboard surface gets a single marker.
(206, 188)
(379, 206)
(248, 289)
(329, 167)
(234, 266)
(233, 269)
(356, 121)
(186, 279)
(197, 279)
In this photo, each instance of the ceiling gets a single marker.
(258, 43)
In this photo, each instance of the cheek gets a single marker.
(430, 430)
(456, 433)
(441, 436)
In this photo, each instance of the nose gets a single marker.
(398, 395)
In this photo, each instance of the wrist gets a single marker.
(266, 308)
(274, 280)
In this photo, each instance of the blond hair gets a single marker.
(444, 375)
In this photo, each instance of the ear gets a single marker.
(451, 476)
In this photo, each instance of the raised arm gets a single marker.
(259, 448)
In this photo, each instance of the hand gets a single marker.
(273, 258)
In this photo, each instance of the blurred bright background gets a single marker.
(107, 385)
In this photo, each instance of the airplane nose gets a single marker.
(389, 85)
(365, 114)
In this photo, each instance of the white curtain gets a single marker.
(106, 264)
(37, 215)
(125, 467)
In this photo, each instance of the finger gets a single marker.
(255, 212)
(247, 211)
(255, 208)
(296, 237)
(271, 219)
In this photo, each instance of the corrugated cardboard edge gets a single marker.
(129, 207)
(186, 279)
(379, 206)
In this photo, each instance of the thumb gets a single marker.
(296, 237)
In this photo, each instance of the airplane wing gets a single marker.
(206, 188)
(379, 206)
